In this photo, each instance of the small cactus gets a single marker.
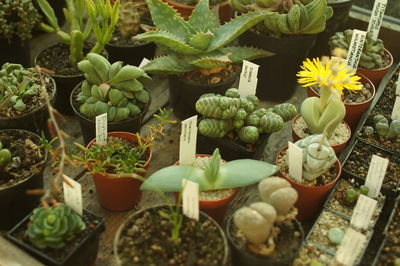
(214, 128)
(130, 13)
(221, 107)
(5, 157)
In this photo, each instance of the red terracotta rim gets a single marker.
(183, 6)
(386, 51)
(337, 165)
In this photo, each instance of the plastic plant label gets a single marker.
(144, 62)
(101, 128)
(248, 79)
(295, 162)
(187, 146)
(396, 109)
(350, 248)
(73, 194)
(363, 212)
(190, 199)
(398, 87)
(355, 48)
(376, 173)
(378, 11)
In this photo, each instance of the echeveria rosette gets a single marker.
(325, 113)
(200, 42)
(233, 174)
(54, 226)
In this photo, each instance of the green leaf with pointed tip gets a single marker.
(209, 61)
(211, 170)
(201, 40)
(237, 53)
(169, 40)
(200, 17)
(169, 64)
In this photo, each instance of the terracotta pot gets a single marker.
(311, 198)
(215, 208)
(354, 111)
(337, 148)
(225, 11)
(376, 75)
(121, 193)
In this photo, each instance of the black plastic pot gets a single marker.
(15, 203)
(82, 254)
(88, 126)
(183, 93)
(34, 121)
(231, 149)
(131, 55)
(277, 75)
(242, 257)
(337, 22)
(16, 51)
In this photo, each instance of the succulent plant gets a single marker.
(289, 16)
(318, 156)
(200, 42)
(54, 226)
(233, 174)
(112, 89)
(102, 18)
(17, 19)
(5, 157)
(351, 195)
(130, 13)
(372, 56)
(383, 128)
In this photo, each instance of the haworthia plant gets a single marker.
(199, 42)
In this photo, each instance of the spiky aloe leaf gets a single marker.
(211, 61)
(169, 64)
(237, 54)
(232, 29)
(169, 40)
(202, 19)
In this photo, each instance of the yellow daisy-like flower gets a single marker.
(328, 73)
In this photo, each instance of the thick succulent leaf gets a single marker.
(316, 12)
(211, 61)
(237, 54)
(164, 38)
(232, 29)
(169, 64)
(166, 18)
(244, 172)
(199, 19)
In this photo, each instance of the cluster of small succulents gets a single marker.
(17, 19)
(383, 128)
(224, 114)
(130, 13)
(5, 156)
(351, 194)
(112, 89)
(372, 56)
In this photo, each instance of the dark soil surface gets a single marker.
(220, 77)
(145, 240)
(27, 158)
(119, 40)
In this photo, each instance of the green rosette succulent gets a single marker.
(112, 89)
(54, 226)
(5, 157)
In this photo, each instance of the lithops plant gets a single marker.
(130, 13)
(372, 56)
(112, 89)
(5, 157)
(383, 128)
(351, 194)
(289, 16)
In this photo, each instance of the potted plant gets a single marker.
(216, 179)
(60, 60)
(122, 46)
(321, 170)
(17, 18)
(113, 89)
(22, 163)
(325, 113)
(22, 101)
(56, 235)
(375, 60)
(289, 31)
(198, 59)
(266, 232)
(235, 126)
(162, 235)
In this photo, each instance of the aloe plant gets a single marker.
(233, 174)
(199, 43)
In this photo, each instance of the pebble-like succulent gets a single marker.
(112, 89)
(351, 195)
(383, 128)
(5, 156)
(54, 226)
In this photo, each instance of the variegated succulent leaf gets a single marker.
(215, 106)
(214, 128)
(249, 134)
(285, 110)
(271, 122)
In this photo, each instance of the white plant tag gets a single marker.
(73, 194)
(355, 48)
(350, 248)
(363, 212)
(190, 199)
(378, 11)
(398, 86)
(376, 173)
(101, 128)
(144, 62)
(295, 162)
(396, 109)
(248, 79)
(187, 146)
